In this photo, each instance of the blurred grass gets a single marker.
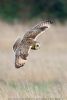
(16, 90)
(45, 73)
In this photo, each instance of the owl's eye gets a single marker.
(37, 45)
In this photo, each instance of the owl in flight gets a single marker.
(22, 46)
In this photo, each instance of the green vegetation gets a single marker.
(16, 90)
(27, 9)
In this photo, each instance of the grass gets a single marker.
(48, 89)
(45, 73)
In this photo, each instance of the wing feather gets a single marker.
(21, 54)
(36, 30)
(16, 44)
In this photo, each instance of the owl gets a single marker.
(23, 46)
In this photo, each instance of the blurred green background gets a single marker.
(29, 9)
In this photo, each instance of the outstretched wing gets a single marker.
(35, 31)
(22, 52)
(21, 56)
(42, 26)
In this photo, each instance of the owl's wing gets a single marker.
(36, 30)
(22, 52)
(16, 44)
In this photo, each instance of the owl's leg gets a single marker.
(35, 46)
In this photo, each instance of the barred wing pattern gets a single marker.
(22, 47)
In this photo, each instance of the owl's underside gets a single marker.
(22, 47)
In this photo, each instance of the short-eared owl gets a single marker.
(23, 46)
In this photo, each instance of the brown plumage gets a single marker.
(22, 47)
